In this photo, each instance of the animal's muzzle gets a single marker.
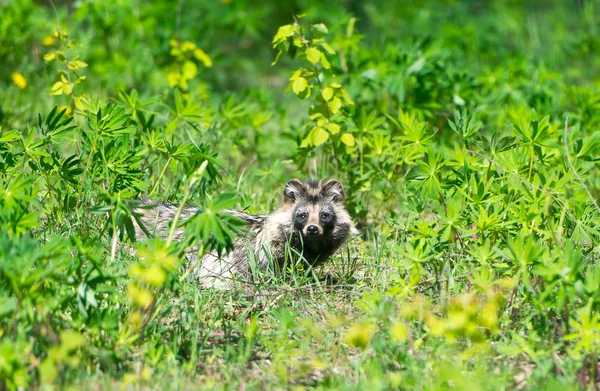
(312, 229)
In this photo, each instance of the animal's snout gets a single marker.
(312, 229)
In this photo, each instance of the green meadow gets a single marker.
(466, 135)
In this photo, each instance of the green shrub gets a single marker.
(466, 137)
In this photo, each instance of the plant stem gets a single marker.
(160, 176)
(87, 166)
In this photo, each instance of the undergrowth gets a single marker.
(466, 137)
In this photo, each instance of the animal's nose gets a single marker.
(312, 229)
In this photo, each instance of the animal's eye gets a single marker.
(325, 216)
(302, 215)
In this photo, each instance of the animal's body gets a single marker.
(311, 219)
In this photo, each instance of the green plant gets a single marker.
(465, 134)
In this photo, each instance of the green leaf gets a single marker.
(313, 55)
(299, 85)
(319, 136)
(7, 305)
(333, 128)
(327, 93)
(201, 56)
(325, 62)
(284, 32)
(335, 105)
(189, 70)
(319, 29)
(10, 135)
(224, 201)
(348, 139)
(48, 371)
(327, 48)
(297, 73)
(346, 97)
(178, 101)
(71, 340)
(416, 66)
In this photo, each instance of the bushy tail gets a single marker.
(252, 220)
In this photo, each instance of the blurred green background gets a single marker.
(426, 56)
(126, 43)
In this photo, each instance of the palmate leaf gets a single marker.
(214, 227)
(466, 126)
(18, 190)
(70, 169)
(110, 121)
(55, 124)
(28, 265)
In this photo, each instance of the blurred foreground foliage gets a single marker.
(467, 137)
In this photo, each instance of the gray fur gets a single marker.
(318, 204)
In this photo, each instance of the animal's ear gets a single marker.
(292, 190)
(334, 190)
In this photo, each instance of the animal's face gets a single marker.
(315, 206)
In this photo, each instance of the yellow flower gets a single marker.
(19, 80)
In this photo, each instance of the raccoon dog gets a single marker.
(311, 219)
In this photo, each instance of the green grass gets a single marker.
(465, 133)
